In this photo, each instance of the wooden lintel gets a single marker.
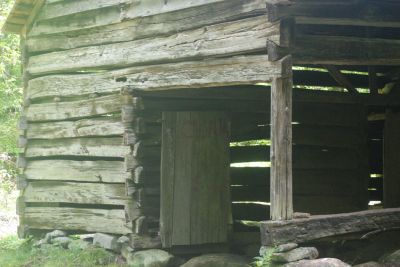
(324, 226)
(341, 79)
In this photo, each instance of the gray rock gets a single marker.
(265, 250)
(39, 243)
(217, 260)
(149, 258)
(106, 241)
(54, 234)
(286, 247)
(326, 262)
(87, 237)
(392, 258)
(296, 254)
(369, 264)
(123, 240)
(61, 241)
(79, 245)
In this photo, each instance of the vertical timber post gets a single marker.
(281, 147)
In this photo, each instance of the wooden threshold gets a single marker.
(327, 226)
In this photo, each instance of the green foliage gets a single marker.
(20, 253)
(10, 84)
(265, 260)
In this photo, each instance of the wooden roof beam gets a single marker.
(341, 79)
(355, 13)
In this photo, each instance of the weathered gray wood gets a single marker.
(281, 190)
(391, 160)
(95, 32)
(89, 147)
(355, 13)
(76, 219)
(235, 70)
(247, 35)
(75, 109)
(82, 171)
(78, 193)
(316, 227)
(87, 16)
(196, 143)
(104, 126)
(338, 50)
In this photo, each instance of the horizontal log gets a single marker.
(83, 30)
(259, 176)
(104, 126)
(77, 193)
(80, 171)
(337, 50)
(303, 157)
(230, 71)
(77, 219)
(316, 227)
(303, 134)
(355, 13)
(73, 110)
(86, 147)
(248, 35)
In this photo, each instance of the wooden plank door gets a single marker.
(195, 195)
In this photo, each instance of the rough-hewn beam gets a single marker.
(339, 50)
(281, 190)
(341, 79)
(355, 13)
(322, 226)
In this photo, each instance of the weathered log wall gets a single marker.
(97, 75)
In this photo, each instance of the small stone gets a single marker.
(369, 264)
(106, 241)
(217, 260)
(123, 240)
(54, 234)
(286, 247)
(295, 255)
(79, 245)
(392, 258)
(126, 250)
(39, 243)
(61, 241)
(326, 262)
(150, 258)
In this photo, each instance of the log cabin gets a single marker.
(191, 124)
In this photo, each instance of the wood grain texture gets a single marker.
(80, 171)
(199, 175)
(247, 35)
(76, 219)
(73, 110)
(66, 35)
(88, 147)
(316, 227)
(281, 189)
(77, 193)
(88, 16)
(104, 126)
(229, 71)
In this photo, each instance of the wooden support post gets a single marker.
(373, 83)
(391, 160)
(281, 148)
